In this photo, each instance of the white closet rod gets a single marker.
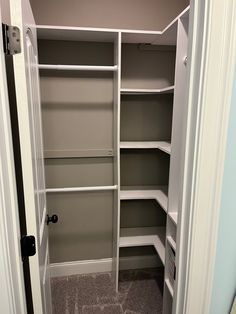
(77, 67)
(83, 189)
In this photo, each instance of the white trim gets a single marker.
(212, 57)
(102, 265)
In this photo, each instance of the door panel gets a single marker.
(31, 144)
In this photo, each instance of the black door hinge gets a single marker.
(28, 246)
(11, 39)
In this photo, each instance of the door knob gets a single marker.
(53, 219)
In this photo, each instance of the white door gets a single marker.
(30, 131)
(12, 290)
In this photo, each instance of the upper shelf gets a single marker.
(167, 36)
(77, 67)
(135, 91)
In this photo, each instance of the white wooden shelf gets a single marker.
(82, 189)
(78, 67)
(174, 217)
(163, 146)
(160, 195)
(131, 237)
(169, 286)
(171, 242)
(140, 91)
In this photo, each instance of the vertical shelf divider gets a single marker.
(116, 144)
(177, 140)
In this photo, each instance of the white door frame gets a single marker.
(12, 291)
(213, 60)
(212, 56)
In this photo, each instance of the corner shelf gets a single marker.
(138, 91)
(139, 193)
(133, 237)
(163, 146)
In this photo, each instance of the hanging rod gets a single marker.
(78, 67)
(83, 189)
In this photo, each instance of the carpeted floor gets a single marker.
(140, 292)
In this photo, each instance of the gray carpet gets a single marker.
(140, 292)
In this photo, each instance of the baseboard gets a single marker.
(102, 265)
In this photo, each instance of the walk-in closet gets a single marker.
(113, 106)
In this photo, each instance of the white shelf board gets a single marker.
(140, 91)
(160, 195)
(171, 242)
(174, 216)
(164, 146)
(169, 286)
(55, 32)
(132, 237)
(77, 67)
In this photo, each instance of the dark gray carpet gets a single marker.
(140, 292)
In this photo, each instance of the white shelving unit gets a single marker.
(166, 93)
(164, 146)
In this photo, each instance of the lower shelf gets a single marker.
(152, 193)
(155, 236)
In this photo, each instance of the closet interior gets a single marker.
(113, 111)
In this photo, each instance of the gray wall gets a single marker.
(5, 11)
(131, 14)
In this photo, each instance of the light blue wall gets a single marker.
(225, 269)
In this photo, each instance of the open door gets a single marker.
(30, 133)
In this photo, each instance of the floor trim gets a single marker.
(102, 265)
